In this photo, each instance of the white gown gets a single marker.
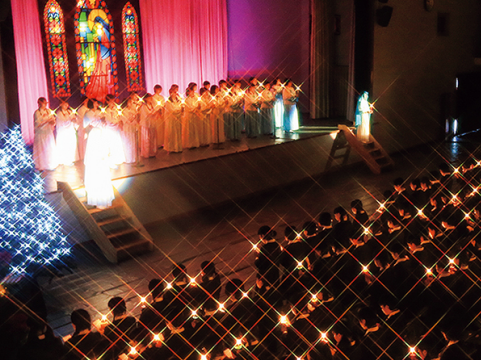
(44, 147)
(190, 123)
(112, 135)
(173, 126)
(97, 179)
(130, 133)
(66, 137)
(159, 103)
(148, 131)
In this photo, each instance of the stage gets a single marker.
(171, 185)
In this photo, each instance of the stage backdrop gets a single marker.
(268, 39)
(184, 41)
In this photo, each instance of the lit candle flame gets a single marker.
(365, 269)
(194, 314)
(451, 261)
(324, 336)
(299, 265)
(284, 320)
(429, 272)
(157, 337)
(168, 286)
(203, 357)
(192, 281)
(245, 295)
(221, 307)
(104, 318)
(133, 350)
(412, 350)
(314, 298)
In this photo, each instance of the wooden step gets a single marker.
(125, 243)
(111, 220)
(96, 210)
(122, 232)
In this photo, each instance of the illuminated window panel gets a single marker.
(95, 45)
(56, 49)
(133, 60)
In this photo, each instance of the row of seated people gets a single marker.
(401, 283)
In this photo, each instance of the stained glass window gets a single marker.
(130, 30)
(56, 49)
(95, 44)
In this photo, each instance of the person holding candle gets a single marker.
(84, 341)
(252, 103)
(148, 128)
(217, 116)
(267, 110)
(45, 153)
(237, 111)
(66, 123)
(191, 118)
(130, 121)
(113, 129)
(206, 106)
(173, 121)
(122, 329)
(81, 135)
(159, 103)
(290, 97)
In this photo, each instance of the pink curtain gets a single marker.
(183, 41)
(32, 80)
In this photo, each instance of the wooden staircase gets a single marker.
(373, 154)
(116, 230)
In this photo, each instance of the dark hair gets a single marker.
(340, 210)
(147, 96)
(41, 99)
(398, 181)
(290, 233)
(156, 287)
(222, 82)
(234, 287)
(173, 88)
(179, 272)
(205, 83)
(81, 319)
(202, 91)
(263, 230)
(310, 227)
(416, 182)
(156, 87)
(356, 204)
(325, 219)
(90, 103)
(117, 306)
(213, 89)
(208, 267)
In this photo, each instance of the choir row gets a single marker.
(141, 126)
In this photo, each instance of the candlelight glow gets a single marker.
(168, 286)
(365, 269)
(245, 295)
(221, 307)
(104, 318)
(284, 320)
(429, 272)
(133, 350)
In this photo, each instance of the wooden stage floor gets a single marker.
(74, 174)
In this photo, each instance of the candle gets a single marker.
(221, 307)
(284, 320)
(299, 265)
(324, 337)
(429, 272)
(194, 314)
(143, 302)
(245, 295)
(238, 344)
(314, 298)
(365, 269)
(104, 318)
(412, 350)
(193, 282)
(133, 350)
(203, 357)
(168, 286)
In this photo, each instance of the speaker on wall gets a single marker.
(383, 15)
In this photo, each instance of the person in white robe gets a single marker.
(290, 97)
(173, 121)
(44, 146)
(267, 110)
(148, 128)
(191, 118)
(277, 87)
(81, 135)
(206, 105)
(66, 124)
(159, 103)
(97, 177)
(252, 102)
(217, 116)
(237, 112)
(130, 121)
(112, 131)
(363, 118)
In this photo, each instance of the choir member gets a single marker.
(44, 147)
(206, 105)
(252, 104)
(290, 97)
(191, 118)
(97, 178)
(159, 103)
(267, 110)
(130, 121)
(206, 85)
(66, 135)
(173, 121)
(148, 128)
(277, 88)
(81, 135)
(112, 131)
(217, 116)
(226, 115)
(237, 113)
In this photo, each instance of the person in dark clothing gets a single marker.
(84, 342)
(152, 317)
(269, 257)
(122, 329)
(41, 343)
